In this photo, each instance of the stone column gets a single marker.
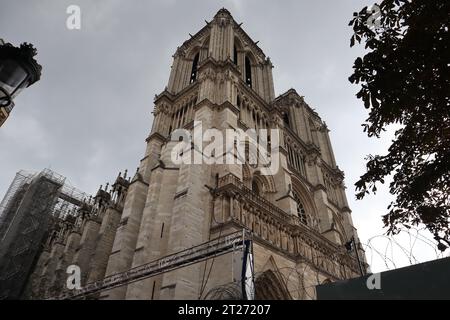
(107, 232)
(125, 241)
(88, 243)
(72, 243)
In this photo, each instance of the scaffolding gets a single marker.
(236, 241)
(25, 214)
(69, 197)
(21, 179)
(69, 201)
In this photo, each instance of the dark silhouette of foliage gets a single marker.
(404, 79)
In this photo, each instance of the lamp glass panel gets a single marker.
(11, 75)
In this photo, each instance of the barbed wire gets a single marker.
(300, 281)
(407, 247)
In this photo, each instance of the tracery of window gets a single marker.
(296, 160)
(301, 212)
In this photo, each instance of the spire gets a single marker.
(223, 12)
(223, 17)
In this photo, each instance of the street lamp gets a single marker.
(18, 70)
(352, 245)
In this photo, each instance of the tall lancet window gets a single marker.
(235, 55)
(248, 72)
(286, 119)
(194, 68)
(301, 212)
(255, 187)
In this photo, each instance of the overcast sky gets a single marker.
(88, 116)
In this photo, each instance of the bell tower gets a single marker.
(298, 214)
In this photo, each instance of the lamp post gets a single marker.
(18, 70)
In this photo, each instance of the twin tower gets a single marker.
(298, 215)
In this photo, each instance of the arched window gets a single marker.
(286, 119)
(255, 187)
(248, 72)
(301, 212)
(235, 55)
(194, 68)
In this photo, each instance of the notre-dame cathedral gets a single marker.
(298, 216)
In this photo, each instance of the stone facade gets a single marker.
(299, 216)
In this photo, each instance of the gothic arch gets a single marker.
(194, 66)
(270, 286)
(338, 227)
(305, 202)
(304, 193)
(251, 56)
(266, 184)
(267, 181)
(229, 291)
(238, 43)
(237, 52)
(206, 41)
(258, 186)
(193, 51)
(196, 47)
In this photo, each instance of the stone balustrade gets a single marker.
(281, 230)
